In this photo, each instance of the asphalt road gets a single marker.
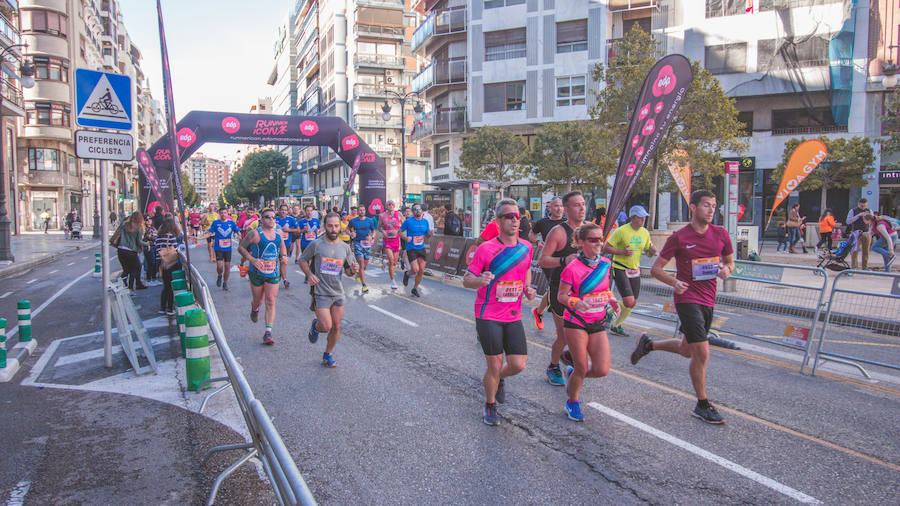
(399, 419)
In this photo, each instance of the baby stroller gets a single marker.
(836, 260)
(75, 232)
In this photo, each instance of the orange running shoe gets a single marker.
(538, 319)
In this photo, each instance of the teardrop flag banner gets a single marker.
(805, 158)
(681, 174)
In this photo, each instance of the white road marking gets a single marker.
(54, 271)
(70, 263)
(30, 282)
(98, 353)
(17, 496)
(392, 315)
(700, 452)
(46, 303)
(5, 295)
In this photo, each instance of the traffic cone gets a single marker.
(97, 265)
(2, 343)
(183, 303)
(196, 348)
(23, 308)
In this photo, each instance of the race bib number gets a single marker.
(633, 273)
(390, 233)
(310, 236)
(419, 240)
(331, 266)
(509, 291)
(224, 243)
(268, 266)
(285, 235)
(596, 302)
(705, 268)
(366, 244)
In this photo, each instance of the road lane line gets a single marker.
(30, 282)
(70, 263)
(17, 496)
(54, 271)
(392, 315)
(46, 303)
(5, 295)
(700, 452)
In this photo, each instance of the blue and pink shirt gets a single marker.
(501, 299)
(590, 284)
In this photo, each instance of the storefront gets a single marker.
(889, 192)
(44, 207)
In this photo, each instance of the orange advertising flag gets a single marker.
(681, 173)
(805, 158)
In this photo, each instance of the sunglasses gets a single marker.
(594, 240)
(269, 217)
(511, 216)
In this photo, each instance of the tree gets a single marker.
(562, 156)
(261, 174)
(191, 198)
(493, 154)
(705, 126)
(891, 128)
(845, 166)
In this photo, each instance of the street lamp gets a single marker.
(386, 116)
(27, 81)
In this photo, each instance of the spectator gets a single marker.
(429, 218)
(70, 218)
(856, 224)
(169, 235)
(452, 222)
(884, 236)
(782, 237)
(128, 243)
(151, 266)
(826, 226)
(524, 223)
(158, 217)
(793, 226)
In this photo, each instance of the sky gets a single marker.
(220, 52)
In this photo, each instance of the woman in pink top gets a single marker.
(389, 224)
(584, 290)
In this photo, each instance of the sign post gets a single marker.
(476, 210)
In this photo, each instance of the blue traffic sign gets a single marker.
(102, 100)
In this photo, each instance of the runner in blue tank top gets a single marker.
(288, 227)
(264, 249)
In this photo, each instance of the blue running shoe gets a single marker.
(491, 417)
(328, 360)
(313, 333)
(573, 409)
(569, 371)
(554, 376)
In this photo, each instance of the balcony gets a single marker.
(816, 129)
(441, 72)
(374, 120)
(9, 34)
(439, 22)
(379, 60)
(13, 102)
(423, 79)
(376, 90)
(391, 32)
(450, 120)
(381, 3)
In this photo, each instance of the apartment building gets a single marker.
(208, 175)
(283, 79)
(12, 110)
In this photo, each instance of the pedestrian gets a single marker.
(362, 231)
(501, 272)
(168, 239)
(70, 218)
(45, 219)
(128, 240)
(627, 244)
(884, 236)
(538, 236)
(415, 231)
(151, 267)
(265, 251)
(826, 226)
(702, 253)
(524, 223)
(856, 224)
(794, 221)
(452, 222)
(782, 235)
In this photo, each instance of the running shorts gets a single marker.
(257, 280)
(360, 251)
(555, 306)
(326, 301)
(392, 243)
(501, 337)
(590, 328)
(224, 256)
(628, 287)
(695, 320)
(413, 254)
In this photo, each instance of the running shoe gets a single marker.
(708, 415)
(254, 315)
(569, 371)
(313, 333)
(328, 360)
(573, 409)
(287, 284)
(890, 261)
(225, 286)
(170, 312)
(641, 349)
(365, 289)
(554, 376)
(267, 338)
(219, 280)
(415, 292)
(393, 285)
(618, 330)
(501, 393)
(405, 278)
(538, 319)
(566, 358)
(161, 311)
(491, 417)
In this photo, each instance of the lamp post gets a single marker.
(27, 80)
(386, 116)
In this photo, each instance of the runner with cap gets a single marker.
(501, 272)
(538, 236)
(415, 231)
(626, 244)
(702, 253)
(362, 231)
(389, 225)
(288, 226)
(208, 218)
(265, 251)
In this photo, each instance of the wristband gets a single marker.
(571, 302)
(562, 261)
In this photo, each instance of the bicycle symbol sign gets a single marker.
(102, 100)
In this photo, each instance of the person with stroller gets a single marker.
(884, 237)
(72, 217)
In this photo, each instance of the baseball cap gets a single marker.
(638, 211)
(389, 202)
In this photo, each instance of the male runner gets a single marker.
(538, 235)
(208, 218)
(322, 261)
(362, 231)
(222, 231)
(501, 271)
(559, 251)
(264, 249)
(626, 244)
(309, 229)
(414, 231)
(389, 225)
(702, 253)
(288, 227)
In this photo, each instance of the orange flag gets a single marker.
(681, 173)
(802, 162)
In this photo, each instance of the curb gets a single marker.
(22, 351)
(18, 268)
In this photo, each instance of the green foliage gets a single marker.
(191, 198)
(891, 126)
(563, 156)
(262, 173)
(493, 154)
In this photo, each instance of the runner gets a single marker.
(194, 218)
(584, 291)
(345, 222)
(557, 253)
(327, 257)
(309, 228)
(208, 219)
(538, 236)
(404, 258)
(294, 252)
(626, 244)
(250, 222)
(264, 250)
(288, 226)
(222, 231)
(414, 231)
(362, 230)
(702, 252)
(501, 271)
(390, 231)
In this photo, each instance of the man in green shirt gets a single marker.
(626, 244)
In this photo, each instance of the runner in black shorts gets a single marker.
(702, 252)
(538, 236)
(626, 244)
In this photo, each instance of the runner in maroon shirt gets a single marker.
(702, 253)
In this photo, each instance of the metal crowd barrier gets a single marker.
(265, 442)
(858, 317)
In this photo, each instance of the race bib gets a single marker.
(310, 236)
(224, 243)
(419, 240)
(596, 301)
(331, 266)
(268, 266)
(285, 235)
(509, 291)
(705, 268)
(633, 273)
(390, 233)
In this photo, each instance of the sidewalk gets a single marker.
(31, 249)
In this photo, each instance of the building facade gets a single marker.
(12, 111)
(208, 175)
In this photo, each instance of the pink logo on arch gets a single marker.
(649, 127)
(638, 153)
(659, 107)
(665, 81)
(644, 112)
(630, 169)
(230, 124)
(144, 158)
(376, 207)
(439, 250)
(635, 141)
(186, 137)
(309, 128)
(350, 142)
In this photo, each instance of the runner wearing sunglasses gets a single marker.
(263, 248)
(626, 244)
(222, 231)
(538, 236)
(584, 291)
(501, 271)
(415, 231)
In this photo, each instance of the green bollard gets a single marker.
(196, 342)
(97, 265)
(183, 302)
(179, 285)
(179, 274)
(24, 314)
(2, 343)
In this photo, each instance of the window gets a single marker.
(569, 91)
(504, 96)
(45, 113)
(50, 22)
(746, 117)
(768, 5)
(726, 58)
(718, 8)
(504, 44)
(51, 68)
(571, 36)
(376, 48)
(443, 154)
(802, 120)
(492, 4)
(43, 159)
(807, 52)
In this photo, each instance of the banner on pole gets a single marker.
(681, 173)
(805, 158)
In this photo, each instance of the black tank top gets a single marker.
(566, 251)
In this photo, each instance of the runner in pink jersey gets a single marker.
(389, 225)
(501, 271)
(584, 290)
